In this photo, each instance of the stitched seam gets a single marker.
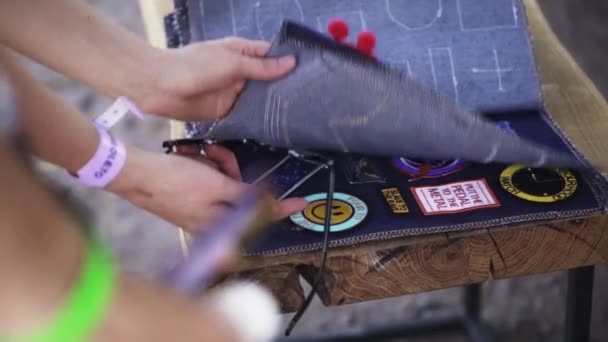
(403, 232)
(598, 184)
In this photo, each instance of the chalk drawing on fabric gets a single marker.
(435, 53)
(276, 16)
(444, 43)
(498, 70)
(202, 14)
(464, 28)
(233, 16)
(390, 11)
(351, 17)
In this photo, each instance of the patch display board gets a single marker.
(475, 52)
(389, 199)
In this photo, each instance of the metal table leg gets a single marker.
(471, 322)
(474, 324)
(578, 304)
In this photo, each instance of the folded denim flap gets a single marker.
(478, 53)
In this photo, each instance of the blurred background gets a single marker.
(526, 309)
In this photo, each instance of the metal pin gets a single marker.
(267, 173)
(301, 181)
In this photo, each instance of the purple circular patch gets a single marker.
(439, 168)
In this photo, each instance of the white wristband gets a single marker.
(117, 110)
(111, 154)
(106, 163)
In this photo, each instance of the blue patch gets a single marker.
(439, 168)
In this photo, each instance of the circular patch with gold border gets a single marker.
(538, 185)
(347, 212)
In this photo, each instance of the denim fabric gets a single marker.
(285, 237)
(475, 51)
(449, 52)
(337, 100)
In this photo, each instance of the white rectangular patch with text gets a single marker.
(455, 197)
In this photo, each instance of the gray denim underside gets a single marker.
(337, 101)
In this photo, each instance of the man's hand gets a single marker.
(186, 192)
(202, 81)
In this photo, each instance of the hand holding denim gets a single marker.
(338, 100)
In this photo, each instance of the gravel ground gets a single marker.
(525, 309)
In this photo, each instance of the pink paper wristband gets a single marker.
(106, 163)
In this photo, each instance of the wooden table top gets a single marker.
(416, 264)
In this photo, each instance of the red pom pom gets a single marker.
(338, 29)
(366, 42)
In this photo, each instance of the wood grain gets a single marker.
(570, 96)
(403, 270)
(384, 269)
(460, 260)
(549, 247)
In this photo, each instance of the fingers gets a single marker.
(288, 207)
(193, 152)
(252, 64)
(188, 150)
(231, 190)
(210, 214)
(238, 87)
(225, 159)
(245, 47)
(218, 158)
(264, 69)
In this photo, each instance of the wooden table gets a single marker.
(423, 263)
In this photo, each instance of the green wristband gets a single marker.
(87, 304)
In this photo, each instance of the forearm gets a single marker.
(55, 131)
(36, 251)
(41, 255)
(72, 38)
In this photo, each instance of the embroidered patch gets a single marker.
(538, 185)
(347, 212)
(421, 168)
(455, 197)
(395, 201)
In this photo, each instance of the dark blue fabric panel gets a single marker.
(382, 223)
(477, 52)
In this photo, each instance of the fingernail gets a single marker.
(287, 61)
